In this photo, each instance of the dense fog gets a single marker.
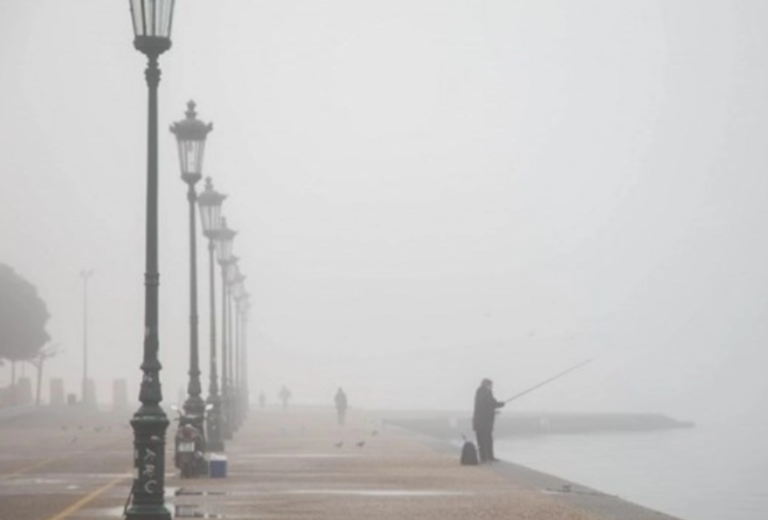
(426, 193)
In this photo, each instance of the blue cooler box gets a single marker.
(217, 466)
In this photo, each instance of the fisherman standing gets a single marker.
(483, 419)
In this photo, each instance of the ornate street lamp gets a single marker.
(233, 276)
(209, 202)
(190, 135)
(224, 241)
(152, 21)
(239, 294)
(244, 353)
(233, 273)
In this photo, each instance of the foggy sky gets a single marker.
(426, 193)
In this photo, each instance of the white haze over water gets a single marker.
(426, 193)
(716, 471)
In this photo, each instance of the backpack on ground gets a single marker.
(468, 453)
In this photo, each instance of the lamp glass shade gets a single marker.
(233, 272)
(152, 18)
(239, 286)
(190, 135)
(209, 202)
(224, 238)
(191, 159)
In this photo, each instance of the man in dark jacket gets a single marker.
(483, 419)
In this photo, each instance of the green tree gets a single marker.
(23, 315)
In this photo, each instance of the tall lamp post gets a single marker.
(231, 275)
(239, 295)
(209, 203)
(224, 253)
(152, 20)
(190, 135)
(85, 275)
(237, 288)
(244, 354)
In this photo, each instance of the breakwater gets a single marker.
(451, 425)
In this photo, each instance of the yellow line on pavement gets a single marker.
(87, 498)
(54, 459)
(31, 467)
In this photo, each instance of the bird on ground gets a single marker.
(339, 444)
(360, 444)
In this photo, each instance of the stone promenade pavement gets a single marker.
(299, 464)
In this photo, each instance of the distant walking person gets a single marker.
(483, 419)
(341, 405)
(285, 396)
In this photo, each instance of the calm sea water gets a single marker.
(710, 472)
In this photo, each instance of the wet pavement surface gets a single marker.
(281, 464)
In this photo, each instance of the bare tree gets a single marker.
(46, 352)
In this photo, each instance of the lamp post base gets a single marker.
(225, 416)
(148, 489)
(214, 441)
(147, 513)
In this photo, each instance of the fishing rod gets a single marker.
(561, 374)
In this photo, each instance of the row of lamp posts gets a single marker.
(152, 23)
(226, 410)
